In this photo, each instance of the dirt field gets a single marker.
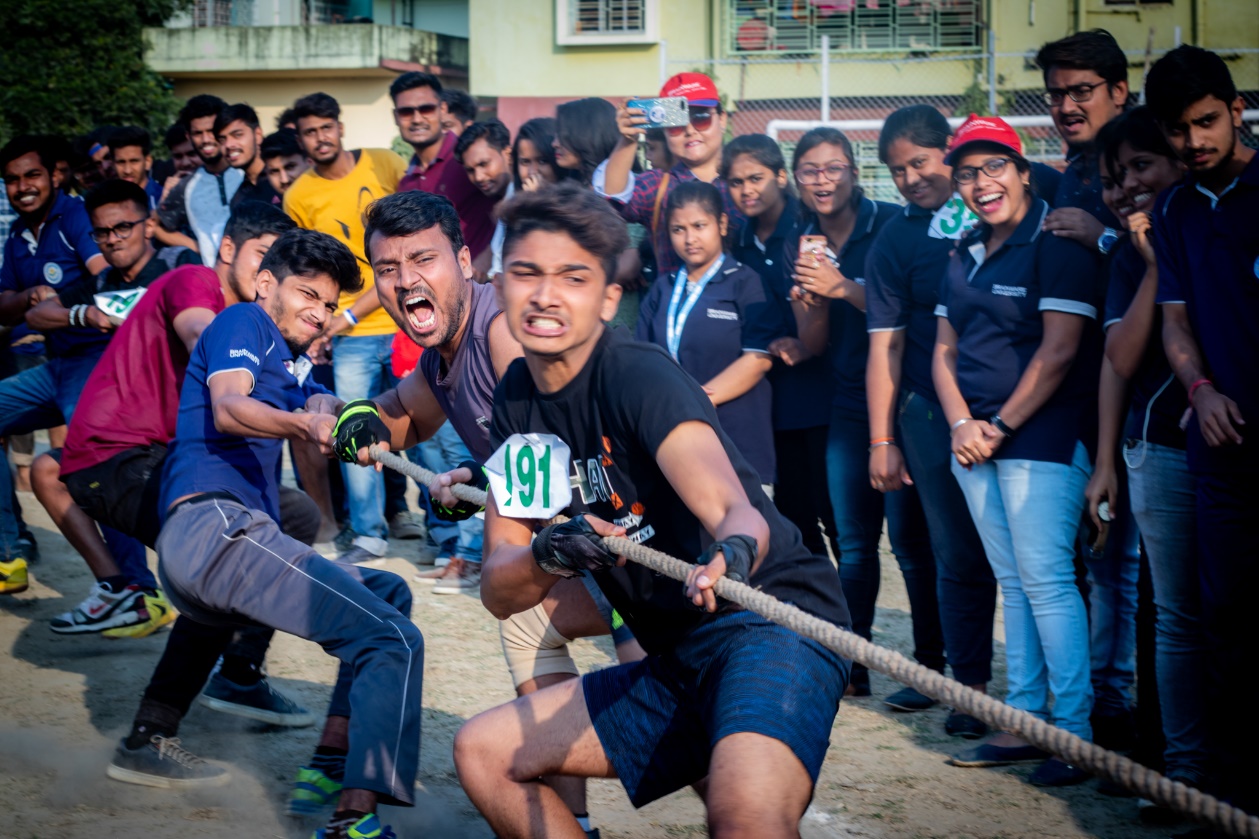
(68, 699)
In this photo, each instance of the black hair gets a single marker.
(316, 105)
(198, 107)
(282, 143)
(587, 128)
(408, 213)
(25, 144)
(540, 131)
(759, 147)
(1140, 130)
(116, 191)
(286, 118)
(922, 125)
(707, 196)
(460, 104)
(131, 135)
(60, 149)
(825, 135)
(571, 209)
(254, 219)
(412, 80)
(1184, 76)
(308, 253)
(175, 135)
(1095, 50)
(232, 113)
(493, 132)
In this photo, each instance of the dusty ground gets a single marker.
(68, 699)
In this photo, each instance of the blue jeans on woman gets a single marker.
(859, 511)
(1027, 513)
(1112, 575)
(1164, 501)
(965, 587)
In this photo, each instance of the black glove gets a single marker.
(464, 509)
(739, 552)
(569, 548)
(358, 427)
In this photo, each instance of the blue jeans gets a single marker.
(1163, 502)
(965, 587)
(45, 397)
(1027, 512)
(442, 452)
(1112, 575)
(859, 511)
(360, 368)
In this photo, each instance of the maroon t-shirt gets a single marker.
(446, 176)
(132, 397)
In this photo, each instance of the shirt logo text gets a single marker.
(1009, 290)
(246, 353)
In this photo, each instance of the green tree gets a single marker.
(71, 65)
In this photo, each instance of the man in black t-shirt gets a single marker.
(723, 693)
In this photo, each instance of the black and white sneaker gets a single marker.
(103, 609)
(163, 762)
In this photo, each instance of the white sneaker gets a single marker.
(103, 609)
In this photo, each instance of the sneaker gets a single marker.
(368, 827)
(159, 611)
(407, 525)
(103, 609)
(359, 555)
(441, 569)
(13, 577)
(908, 699)
(959, 724)
(460, 576)
(259, 702)
(163, 763)
(345, 539)
(987, 754)
(1057, 773)
(27, 546)
(312, 792)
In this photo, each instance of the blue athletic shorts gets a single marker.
(658, 719)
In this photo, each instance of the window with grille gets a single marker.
(580, 22)
(797, 26)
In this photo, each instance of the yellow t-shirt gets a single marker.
(337, 208)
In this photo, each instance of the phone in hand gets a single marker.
(666, 112)
(812, 245)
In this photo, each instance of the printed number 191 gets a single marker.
(524, 472)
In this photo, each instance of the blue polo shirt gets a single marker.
(903, 273)
(1208, 259)
(57, 257)
(1157, 400)
(203, 459)
(154, 191)
(731, 317)
(800, 394)
(848, 343)
(995, 304)
(1081, 187)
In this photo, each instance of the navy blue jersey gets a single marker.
(1157, 400)
(995, 304)
(1081, 187)
(903, 274)
(732, 316)
(204, 459)
(1208, 259)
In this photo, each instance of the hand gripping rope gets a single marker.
(1071, 748)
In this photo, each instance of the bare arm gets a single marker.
(1218, 416)
(504, 349)
(883, 382)
(812, 324)
(742, 374)
(1111, 399)
(190, 323)
(621, 161)
(51, 314)
(1047, 369)
(969, 440)
(173, 238)
(368, 302)
(1126, 340)
(236, 413)
(410, 411)
(15, 304)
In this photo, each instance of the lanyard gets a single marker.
(674, 319)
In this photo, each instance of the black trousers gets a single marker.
(802, 494)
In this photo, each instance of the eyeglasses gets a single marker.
(835, 173)
(123, 230)
(701, 120)
(1077, 92)
(426, 110)
(992, 168)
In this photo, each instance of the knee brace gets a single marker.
(533, 647)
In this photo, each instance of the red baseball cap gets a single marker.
(979, 129)
(696, 87)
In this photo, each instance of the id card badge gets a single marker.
(118, 304)
(529, 476)
(952, 220)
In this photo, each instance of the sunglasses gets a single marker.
(701, 120)
(425, 110)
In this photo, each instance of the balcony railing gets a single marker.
(794, 27)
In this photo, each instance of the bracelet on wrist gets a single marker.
(998, 424)
(1193, 388)
(882, 441)
(955, 426)
(349, 315)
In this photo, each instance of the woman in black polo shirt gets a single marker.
(1017, 374)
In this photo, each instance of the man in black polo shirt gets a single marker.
(240, 135)
(1206, 237)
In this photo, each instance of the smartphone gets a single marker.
(810, 245)
(669, 112)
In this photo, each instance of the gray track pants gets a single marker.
(222, 563)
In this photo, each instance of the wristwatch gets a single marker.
(996, 423)
(1107, 240)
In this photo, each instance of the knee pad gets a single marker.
(533, 647)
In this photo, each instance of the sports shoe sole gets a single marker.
(257, 714)
(988, 764)
(14, 589)
(130, 776)
(142, 630)
(113, 622)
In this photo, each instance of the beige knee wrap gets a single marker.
(533, 647)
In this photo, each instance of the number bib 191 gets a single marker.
(529, 476)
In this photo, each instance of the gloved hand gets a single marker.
(739, 552)
(571, 547)
(358, 427)
(464, 509)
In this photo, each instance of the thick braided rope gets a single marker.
(1075, 750)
